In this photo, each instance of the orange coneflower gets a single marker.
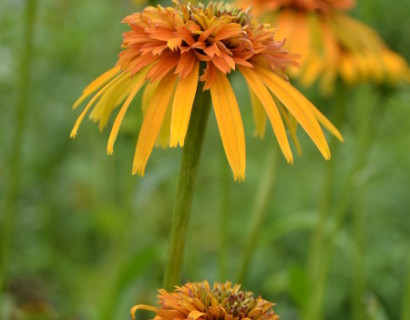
(331, 43)
(200, 301)
(168, 48)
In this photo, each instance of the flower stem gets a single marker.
(224, 217)
(189, 165)
(13, 186)
(358, 278)
(366, 135)
(405, 314)
(316, 245)
(263, 195)
(316, 241)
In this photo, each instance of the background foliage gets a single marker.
(90, 239)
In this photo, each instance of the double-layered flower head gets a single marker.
(170, 50)
(200, 301)
(331, 43)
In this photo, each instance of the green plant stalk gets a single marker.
(224, 217)
(316, 241)
(15, 169)
(358, 277)
(405, 314)
(315, 307)
(260, 210)
(189, 165)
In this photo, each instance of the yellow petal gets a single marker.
(89, 105)
(97, 84)
(326, 123)
(149, 91)
(259, 116)
(230, 124)
(139, 81)
(182, 106)
(141, 307)
(151, 125)
(259, 88)
(292, 125)
(107, 102)
(298, 105)
(165, 131)
(117, 97)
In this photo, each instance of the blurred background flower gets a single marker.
(331, 44)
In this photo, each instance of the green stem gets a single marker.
(189, 165)
(405, 314)
(224, 216)
(365, 140)
(263, 195)
(358, 277)
(316, 241)
(13, 186)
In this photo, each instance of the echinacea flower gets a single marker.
(170, 50)
(200, 301)
(331, 44)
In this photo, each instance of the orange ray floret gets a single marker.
(168, 51)
(198, 300)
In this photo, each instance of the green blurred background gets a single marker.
(90, 240)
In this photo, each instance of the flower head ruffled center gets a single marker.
(198, 300)
(220, 35)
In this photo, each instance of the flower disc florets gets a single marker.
(198, 300)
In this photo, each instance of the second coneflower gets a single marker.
(331, 44)
(170, 50)
(200, 301)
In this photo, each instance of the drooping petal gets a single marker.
(298, 105)
(141, 307)
(182, 106)
(229, 124)
(97, 84)
(292, 125)
(73, 133)
(149, 92)
(139, 81)
(258, 87)
(152, 123)
(113, 101)
(259, 115)
(165, 131)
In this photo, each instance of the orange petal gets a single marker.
(230, 124)
(259, 88)
(228, 31)
(182, 106)
(152, 123)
